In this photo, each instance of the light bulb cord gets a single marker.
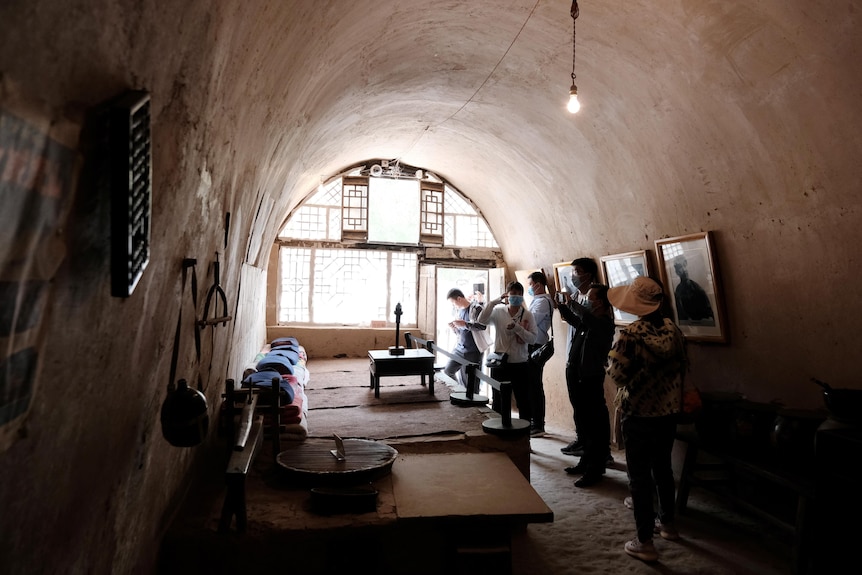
(575, 13)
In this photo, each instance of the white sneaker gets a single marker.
(628, 503)
(643, 550)
(666, 530)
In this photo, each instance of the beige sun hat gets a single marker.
(641, 297)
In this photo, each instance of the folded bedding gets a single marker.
(292, 355)
(296, 431)
(293, 413)
(295, 408)
(277, 362)
(286, 359)
(285, 342)
(264, 379)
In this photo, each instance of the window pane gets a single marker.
(308, 223)
(402, 286)
(319, 217)
(432, 212)
(342, 286)
(295, 266)
(393, 211)
(355, 207)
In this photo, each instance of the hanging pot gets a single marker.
(185, 419)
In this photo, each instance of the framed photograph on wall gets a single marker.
(689, 273)
(621, 269)
(563, 277)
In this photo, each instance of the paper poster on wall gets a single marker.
(36, 175)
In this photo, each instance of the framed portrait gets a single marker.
(689, 273)
(621, 269)
(563, 277)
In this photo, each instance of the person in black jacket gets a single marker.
(593, 327)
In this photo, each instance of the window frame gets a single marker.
(431, 248)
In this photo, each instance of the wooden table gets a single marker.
(412, 362)
(479, 500)
(465, 486)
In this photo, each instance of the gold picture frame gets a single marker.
(621, 269)
(563, 277)
(689, 272)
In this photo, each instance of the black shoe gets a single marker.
(578, 469)
(589, 479)
(611, 459)
(537, 432)
(582, 469)
(577, 450)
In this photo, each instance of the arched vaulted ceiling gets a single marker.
(737, 117)
(690, 109)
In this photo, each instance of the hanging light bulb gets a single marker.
(574, 105)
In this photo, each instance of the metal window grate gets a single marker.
(128, 174)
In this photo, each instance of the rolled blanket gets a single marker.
(277, 362)
(292, 355)
(264, 379)
(284, 342)
(296, 406)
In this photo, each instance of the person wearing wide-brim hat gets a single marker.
(647, 363)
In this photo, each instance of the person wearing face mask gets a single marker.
(471, 337)
(542, 308)
(593, 326)
(584, 273)
(514, 330)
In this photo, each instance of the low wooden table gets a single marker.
(479, 500)
(465, 487)
(411, 362)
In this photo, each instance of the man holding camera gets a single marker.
(591, 334)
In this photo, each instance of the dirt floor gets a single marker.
(590, 525)
(587, 535)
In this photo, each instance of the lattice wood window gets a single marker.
(431, 206)
(354, 209)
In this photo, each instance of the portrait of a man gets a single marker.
(692, 303)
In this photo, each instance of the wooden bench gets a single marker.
(246, 441)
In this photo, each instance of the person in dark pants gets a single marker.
(585, 379)
(467, 346)
(584, 274)
(647, 363)
(542, 308)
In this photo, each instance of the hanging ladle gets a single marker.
(215, 290)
